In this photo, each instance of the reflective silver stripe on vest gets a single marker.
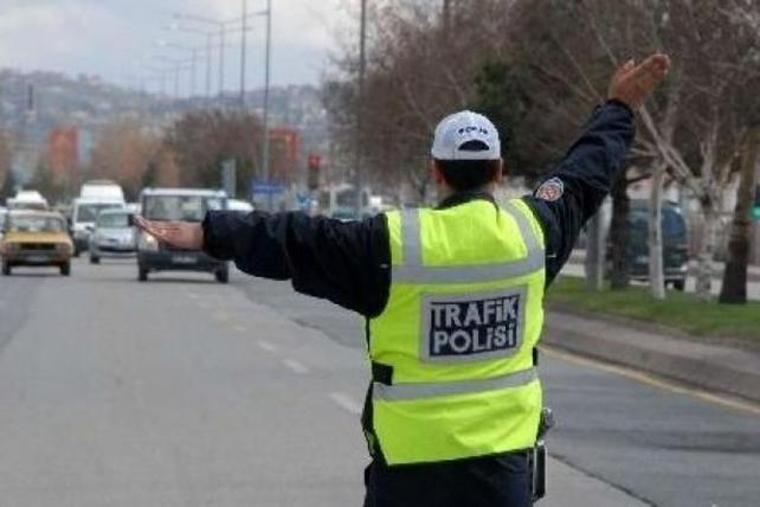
(399, 392)
(412, 270)
(410, 232)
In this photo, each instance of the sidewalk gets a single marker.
(753, 271)
(708, 366)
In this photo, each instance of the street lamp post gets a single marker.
(177, 64)
(193, 51)
(209, 49)
(243, 32)
(358, 180)
(223, 28)
(267, 75)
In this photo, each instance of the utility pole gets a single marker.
(221, 59)
(359, 152)
(208, 64)
(267, 74)
(242, 52)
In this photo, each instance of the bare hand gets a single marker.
(185, 235)
(633, 83)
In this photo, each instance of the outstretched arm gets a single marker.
(573, 193)
(347, 263)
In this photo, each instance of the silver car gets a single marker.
(114, 236)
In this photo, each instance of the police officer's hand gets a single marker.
(186, 235)
(633, 83)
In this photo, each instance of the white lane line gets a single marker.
(347, 403)
(240, 329)
(266, 346)
(296, 366)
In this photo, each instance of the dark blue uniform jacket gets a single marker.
(348, 263)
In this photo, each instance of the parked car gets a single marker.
(675, 244)
(36, 238)
(172, 204)
(113, 237)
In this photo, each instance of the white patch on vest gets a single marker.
(551, 190)
(472, 327)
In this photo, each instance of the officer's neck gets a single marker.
(445, 192)
(450, 197)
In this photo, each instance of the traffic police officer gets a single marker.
(453, 298)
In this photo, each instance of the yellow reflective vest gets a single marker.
(464, 314)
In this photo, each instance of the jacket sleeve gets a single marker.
(570, 195)
(347, 263)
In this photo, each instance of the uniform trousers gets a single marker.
(493, 481)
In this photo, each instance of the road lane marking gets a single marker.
(240, 329)
(655, 381)
(347, 403)
(266, 346)
(296, 366)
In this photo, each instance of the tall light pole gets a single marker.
(224, 28)
(177, 64)
(267, 79)
(243, 33)
(360, 106)
(209, 49)
(193, 51)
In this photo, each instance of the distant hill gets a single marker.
(33, 103)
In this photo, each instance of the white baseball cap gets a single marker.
(458, 129)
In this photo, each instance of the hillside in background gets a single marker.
(33, 104)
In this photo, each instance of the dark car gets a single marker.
(172, 204)
(674, 243)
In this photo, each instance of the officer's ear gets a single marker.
(435, 172)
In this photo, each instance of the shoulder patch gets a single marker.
(550, 190)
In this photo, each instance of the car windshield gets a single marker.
(89, 212)
(36, 224)
(190, 208)
(113, 220)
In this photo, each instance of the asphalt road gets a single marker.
(184, 392)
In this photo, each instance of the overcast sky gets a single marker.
(109, 37)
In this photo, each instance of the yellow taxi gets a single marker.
(36, 238)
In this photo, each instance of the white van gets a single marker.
(94, 196)
(84, 214)
(104, 190)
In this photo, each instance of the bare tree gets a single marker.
(734, 288)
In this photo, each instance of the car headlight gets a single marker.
(147, 242)
(9, 247)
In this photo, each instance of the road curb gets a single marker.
(698, 372)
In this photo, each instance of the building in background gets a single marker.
(63, 151)
(285, 146)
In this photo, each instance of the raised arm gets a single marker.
(573, 193)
